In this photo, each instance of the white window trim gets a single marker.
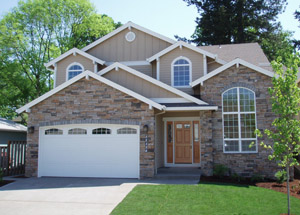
(72, 64)
(239, 122)
(172, 71)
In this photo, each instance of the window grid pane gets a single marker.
(126, 131)
(246, 100)
(231, 145)
(74, 71)
(246, 144)
(230, 101)
(53, 131)
(231, 126)
(248, 125)
(101, 131)
(77, 131)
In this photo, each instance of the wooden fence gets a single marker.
(12, 158)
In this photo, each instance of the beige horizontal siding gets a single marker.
(117, 48)
(212, 66)
(64, 63)
(145, 69)
(166, 65)
(138, 85)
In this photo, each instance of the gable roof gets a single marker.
(88, 74)
(250, 52)
(123, 27)
(228, 65)
(152, 80)
(73, 51)
(189, 46)
(8, 125)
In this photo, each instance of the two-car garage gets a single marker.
(89, 150)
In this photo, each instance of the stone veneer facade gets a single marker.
(90, 101)
(244, 164)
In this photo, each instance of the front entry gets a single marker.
(183, 142)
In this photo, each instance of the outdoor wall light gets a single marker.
(30, 130)
(146, 128)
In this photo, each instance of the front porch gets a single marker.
(183, 144)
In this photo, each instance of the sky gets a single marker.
(167, 17)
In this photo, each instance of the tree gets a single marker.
(35, 32)
(238, 21)
(297, 42)
(285, 97)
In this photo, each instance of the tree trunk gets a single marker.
(288, 186)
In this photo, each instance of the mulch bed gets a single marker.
(294, 185)
(5, 182)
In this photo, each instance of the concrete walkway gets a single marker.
(66, 196)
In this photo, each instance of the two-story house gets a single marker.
(134, 101)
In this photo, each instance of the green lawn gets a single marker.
(204, 199)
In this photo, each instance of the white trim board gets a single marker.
(236, 62)
(118, 65)
(131, 63)
(123, 27)
(181, 44)
(86, 75)
(191, 108)
(170, 100)
(74, 51)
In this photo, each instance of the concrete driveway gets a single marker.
(55, 196)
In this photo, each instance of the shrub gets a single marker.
(257, 178)
(220, 170)
(281, 176)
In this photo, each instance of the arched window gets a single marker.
(53, 131)
(126, 130)
(73, 70)
(75, 131)
(181, 72)
(239, 120)
(101, 131)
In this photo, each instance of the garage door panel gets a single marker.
(101, 155)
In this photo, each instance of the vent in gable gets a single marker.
(130, 36)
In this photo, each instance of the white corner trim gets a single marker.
(97, 77)
(186, 45)
(126, 26)
(236, 62)
(153, 81)
(172, 71)
(72, 64)
(74, 51)
(204, 65)
(170, 100)
(55, 74)
(131, 63)
(157, 69)
(192, 108)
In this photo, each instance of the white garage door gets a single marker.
(87, 150)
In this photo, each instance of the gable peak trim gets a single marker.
(151, 80)
(128, 25)
(236, 62)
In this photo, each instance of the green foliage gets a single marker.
(35, 32)
(285, 134)
(220, 170)
(281, 176)
(230, 21)
(257, 178)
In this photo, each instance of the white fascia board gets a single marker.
(191, 108)
(123, 27)
(189, 46)
(170, 100)
(236, 61)
(151, 80)
(131, 63)
(97, 77)
(75, 50)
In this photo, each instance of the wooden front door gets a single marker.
(183, 142)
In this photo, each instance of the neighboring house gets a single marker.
(134, 101)
(10, 131)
